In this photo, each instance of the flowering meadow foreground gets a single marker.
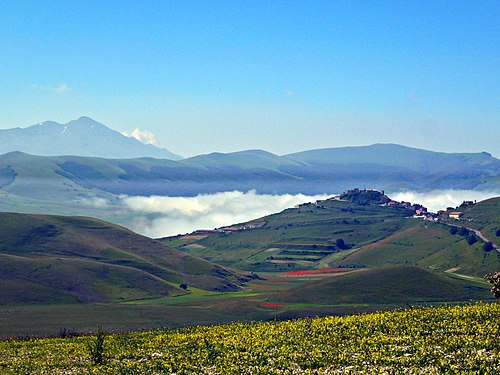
(454, 339)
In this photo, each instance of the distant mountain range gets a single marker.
(98, 161)
(381, 166)
(82, 137)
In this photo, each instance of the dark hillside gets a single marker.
(83, 259)
(386, 285)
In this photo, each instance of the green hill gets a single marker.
(79, 271)
(397, 284)
(362, 229)
(423, 244)
(55, 259)
(301, 237)
(484, 216)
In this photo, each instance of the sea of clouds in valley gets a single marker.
(164, 216)
(160, 216)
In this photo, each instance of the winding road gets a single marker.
(478, 233)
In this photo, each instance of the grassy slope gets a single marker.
(426, 245)
(258, 249)
(377, 233)
(305, 237)
(396, 284)
(485, 216)
(82, 259)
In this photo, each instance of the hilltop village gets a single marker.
(371, 196)
(363, 197)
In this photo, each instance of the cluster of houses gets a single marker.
(230, 229)
(420, 212)
(378, 197)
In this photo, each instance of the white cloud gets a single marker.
(58, 89)
(161, 216)
(145, 136)
(440, 199)
(289, 93)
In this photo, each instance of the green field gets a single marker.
(457, 340)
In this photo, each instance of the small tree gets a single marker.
(453, 230)
(472, 239)
(340, 243)
(494, 278)
(463, 231)
(498, 232)
(488, 246)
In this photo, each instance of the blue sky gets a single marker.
(283, 76)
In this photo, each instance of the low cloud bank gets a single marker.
(161, 216)
(440, 199)
(165, 216)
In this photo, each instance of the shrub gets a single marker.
(488, 246)
(96, 346)
(472, 239)
(498, 232)
(340, 243)
(453, 230)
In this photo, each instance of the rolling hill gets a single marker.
(374, 235)
(395, 284)
(389, 167)
(73, 271)
(54, 259)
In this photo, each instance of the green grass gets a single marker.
(485, 216)
(308, 225)
(457, 339)
(395, 284)
(426, 245)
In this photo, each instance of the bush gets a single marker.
(453, 230)
(472, 239)
(498, 233)
(96, 346)
(340, 243)
(488, 246)
(463, 231)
